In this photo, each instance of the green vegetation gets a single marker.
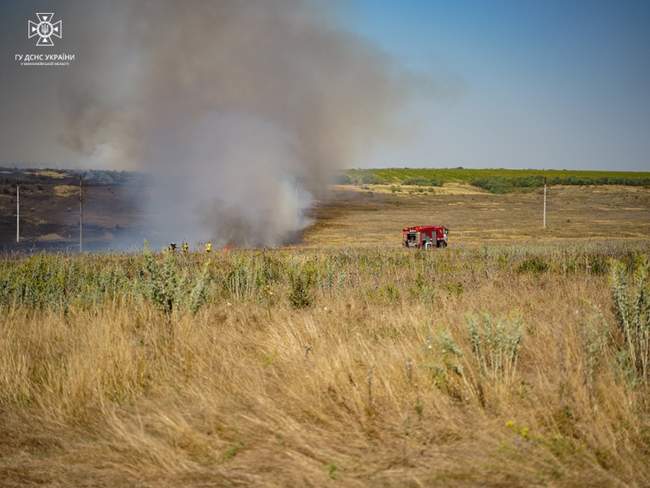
(631, 294)
(495, 343)
(422, 182)
(493, 180)
(176, 283)
(511, 365)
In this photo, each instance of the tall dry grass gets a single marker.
(492, 367)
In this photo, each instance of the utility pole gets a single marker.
(17, 213)
(545, 203)
(81, 214)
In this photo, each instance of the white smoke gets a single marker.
(240, 110)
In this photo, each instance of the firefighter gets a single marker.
(186, 248)
(172, 247)
(208, 247)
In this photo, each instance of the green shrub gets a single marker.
(269, 270)
(505, 184)
(534, 264)
(597, 264)
(390, 293)
(168, 288)
(38, 281)
(423, 290)
(493, 185)
(631, 294)
(46, 281)
(454, 288)
(239, 281)
(343, 180)
(422, 182)
(301, 283)
(198, 291)
(502, 184)
(371, 179)
(443, 361)
(594, 340)
(495, 344)
(603, 180)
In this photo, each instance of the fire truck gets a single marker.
(425, 236)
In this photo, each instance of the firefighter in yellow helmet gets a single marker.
(208, 247)
(186, 248)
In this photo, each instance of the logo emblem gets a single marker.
(44, 29)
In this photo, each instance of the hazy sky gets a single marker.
(527, 84)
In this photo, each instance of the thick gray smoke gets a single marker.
(241, 110)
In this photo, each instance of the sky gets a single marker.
(523, 83)
(515, 84)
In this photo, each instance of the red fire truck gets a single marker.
(425, 236)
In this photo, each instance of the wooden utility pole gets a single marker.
(17, 213)
(81, 214)
(545, 203)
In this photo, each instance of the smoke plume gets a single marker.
(240, 110)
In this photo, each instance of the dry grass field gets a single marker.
(374, 216)
(515, 357)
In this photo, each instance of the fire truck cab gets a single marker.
(425, 236)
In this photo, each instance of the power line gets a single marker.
(17, 213)
(544, 218)
(81, 214)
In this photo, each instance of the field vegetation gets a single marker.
(114, 213)
(373, 217)
(493, 180)
(499, 366)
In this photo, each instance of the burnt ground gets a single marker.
(352, 216)
(49, 207)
